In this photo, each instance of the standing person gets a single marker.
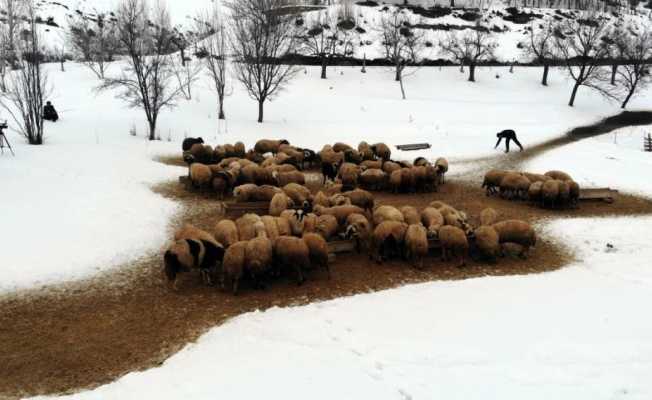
(49, 113)
(508, 135)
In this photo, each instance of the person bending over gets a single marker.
(508, 135)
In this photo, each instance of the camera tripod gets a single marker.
(5, 142)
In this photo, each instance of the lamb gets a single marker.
(245, 193)
(453, 242)
(234, 264)
(284, 178)
(366, 152)
(359, 229)
(388, 239)
(387, 213)
(245, 226)
(299, 194)
(326, 226)
(488, 216)
(279, 203)
(441, 165)
(492, 180)
(432, 219)
(259, 254)
(360, 198)
(339, 212)
(516, 231)
(268, 146)
(382, 151)
(487, 242)
(226, 232)
(410, 215)
(189, 142)
(200, 175)
(514, 185)
(559, 175)
(416, 244)
(318, 250)
(550, 193)
(373, 179)
(294, 253)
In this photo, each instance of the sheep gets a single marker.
(244, 193)
(283, 226)
(200, 175)
(550, 192)
(329, 171)
(207, 253)
(239, 149)
(410, 215)
(339, 212)
(387, 240)
(181, 256)
(331, 188)
(234, 264)
(201, 153)
(513, 250)
(268, 146)
(416, 244)
(559, 175)
(395, 181)
(279, 203)
(326, 226)
(564, 193)
(453, 242)
(387, 213)
(321, 199)
(372, 179)
(534, 191)
(514, 185)
(487, 242)
(348, 173)
(432, 219)
(338, 199)
(219, 153)
(271, 227)
(352, 156)
(294, 253)
(296, 155)
(295, 218)
(441, 165)
(535, 177)
(317, 250)
(372, 164)
(266, 193)
(189, 142)
(189, 231)
(310, 222)
(263, 176)
(419, 173)
(220, 185)
(310, 158)
(245, 226)
(251, 155)
(283, 178)
(438, 204)
(226, 232)
(299, 194)
(330, 163)
(516, 231)
(366, 152)
(381, 150)
(390, 166)
(574, 193)
(259, 253)
(359, 228)
(341, 147)
(492, 180)
(402, 180)
(360, 198)
(488, 216)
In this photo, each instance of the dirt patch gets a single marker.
(70, 337)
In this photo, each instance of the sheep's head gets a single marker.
(306, 207)
(433, 232)
(283, 141)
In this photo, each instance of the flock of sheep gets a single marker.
(554, 189)
(252, 175)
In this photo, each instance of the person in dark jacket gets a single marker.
(49, 113)
(508, 135)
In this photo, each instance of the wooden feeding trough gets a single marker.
(607, 195)
(413, 146)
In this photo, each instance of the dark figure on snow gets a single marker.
(508, 135)
(49, 113)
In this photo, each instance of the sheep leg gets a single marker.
(443, 254)
(235, 283)
(300, 277)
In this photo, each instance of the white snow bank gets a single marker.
(576, 333)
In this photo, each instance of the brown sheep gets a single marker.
(247, 174)
(321, 199)
(341, 147)
(299, 194)
(268, 146)
(271, 227)
(246, 192)
(245, 224)
(294, 253)
(372, 164)
(408, 180)
(361, 198)
(284, 178)
(559, 175)
(339, 212)
(550, 193)
(318, 250)
(200, 175)
(382, 151)
(373, 179)
(280, 202)
(534, 191)
(359, 228)
(488, 216)
(432, 219)
(536, 177)
(416, 244)
(390, 166)
(564, 193)
(219, 153)
(420, 162)
(516, 231)
(266, 193)
(234, 264)
(326, 226)
(283, 226)
(348, 174)
(574, 195)
(441, 165)
(366, 152)
(492, 180)
(514, 186)
(310, 223)
(226, 232)
(259, 254)
(387, 240)
(453, 242)
(220, 185)
(410, 215)
(263, 176)
(395, 181)
(387, 213)
(352, 156)
(201, 153)
(331, 188)
(295, 218)
(487, 242)
(338, 199)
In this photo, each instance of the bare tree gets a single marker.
(401, 42)
(261, 36)
(95, 40)
(214, 52)
(28, 84)
(321, 38)
(634, 73)
(148, 81)
(580, 45)
(470, 47)
(14, 11)
(541, 46)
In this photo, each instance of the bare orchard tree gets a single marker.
(470, 47)
(579, 44)
(14, 11)
(95, 41)
(634, 74)
(541, 46)
(261, 36)
(211, 29)
(616, 47)
(401, 42)
(321, 38)
(28, 84)
(148, 81)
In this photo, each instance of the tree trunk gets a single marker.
(221, 102)
(452, 3)
(572, 98)
(323, 67)
(152, 129)
(614, 69)
(472, 73)
(629, 96)
(400, 81)
(544, 81)
(398, 73)
(260, 110)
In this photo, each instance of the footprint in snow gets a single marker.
(405, 395)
